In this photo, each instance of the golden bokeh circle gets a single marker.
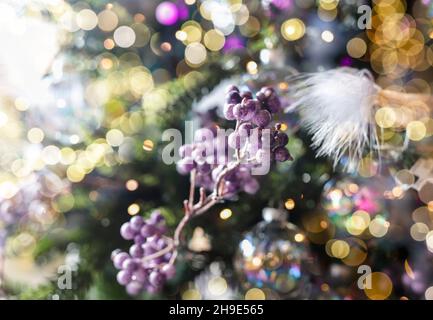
(381, 286)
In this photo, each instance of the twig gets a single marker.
(203, 205)
(192, 188)
(202, 196)
(161, 252)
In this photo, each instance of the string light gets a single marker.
(255, 294)
(225, 214)
(107, 20)
(86, 19)
(252, 67)
(133, 209)
(109, 44)
(148, 145)
(327, 36)
(35, 135)
(381, 286)
(114, 137)
(131, 185)
(356, 47)
(293, 29)
(124, 36)
(289, 204)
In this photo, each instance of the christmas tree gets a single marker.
(116, 182)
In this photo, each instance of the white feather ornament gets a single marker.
(336, 107)
(26, 53)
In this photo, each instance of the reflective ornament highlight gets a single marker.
(357, 205)
(274, 257)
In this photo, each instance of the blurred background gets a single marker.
(88, 87)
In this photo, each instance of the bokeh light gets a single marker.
(293, 29)
(167, 13)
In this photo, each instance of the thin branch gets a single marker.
(192, 188)
(202, 206)
(186, 207)
(161, 252)
(179, 228)
(207, 207)
(202, 196)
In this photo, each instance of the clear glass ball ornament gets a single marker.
(275, 257)
(359, 206)
(351, 204)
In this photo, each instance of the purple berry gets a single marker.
(233, 97)
(203, 134)
(152, 289)
(148, 249)
(262, 118)
(140, 275)
(239, 111)
(139, 239)
(232, 88)
(230, 187)
(168, 270)
(160, 229)
(281, 154)
(252, 105)
(245, 127)
(243, 173)
(153, 240)
(237, 140)
(136, 251)
(185, 150)
(161, 243)
(134, 288)
(268, 91)
(147, 230)
(251, 186)
(156, 278)
(273, 104)
(231, 176)
(119, 259)
(158, 261)
(261, 96)
(136, 223)
(156, 217)
(281, 139)
(123, 277)
(246, 94)
(129, 264)
(199, 154)
(115, 253)
(185, 165)
(245, 110)
(228, 111)
(204, 168)
(126, 231)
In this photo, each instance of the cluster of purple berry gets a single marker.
(31, 205)
(214, 166)
(255, 140)
(143, 268)
(241, 105)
